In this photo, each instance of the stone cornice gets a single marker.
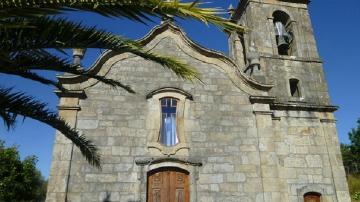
(150, 161)
(291, 106)
(64, 107)
(263, 113)
(297, 1)
(327, 120)
(303, 107)
(292, 58)
(262, 99)
(288, 3)
(71, 93)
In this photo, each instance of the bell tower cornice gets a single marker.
(287, 3)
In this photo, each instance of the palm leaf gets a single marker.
(57, 33)
(14, 104)
(25, 28)
(8, 118)
(33, 76)
(43, 33)
(137, 10)
(25, 62)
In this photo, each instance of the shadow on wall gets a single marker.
(107, 198)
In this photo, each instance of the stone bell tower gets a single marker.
(280, 49)
(280, 32)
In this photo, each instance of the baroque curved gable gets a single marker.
(168, 30)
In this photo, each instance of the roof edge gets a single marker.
(97, 65)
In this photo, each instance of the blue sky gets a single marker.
(337, 31)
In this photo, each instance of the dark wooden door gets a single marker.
(312, 198)
(168, 185)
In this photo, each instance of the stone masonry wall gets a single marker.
(247, 152)
(219, 128)
(305, 156)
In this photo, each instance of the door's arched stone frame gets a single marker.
(310, 188)
(189, 165)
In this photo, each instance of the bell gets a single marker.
(280, 29)
(281, 41)
(282, 35)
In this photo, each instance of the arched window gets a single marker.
(283, 32)
(165, 120)
(312, 197)
(168, 133)
(295, 88)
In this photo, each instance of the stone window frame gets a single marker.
(300, 88)
(296, 82)
(154, 121)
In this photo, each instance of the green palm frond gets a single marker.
(25, 62)
(58, 33)
(43, 33)
(8, 118)
(14, 104)
(33, 76)
(137, 10)
(181, 69)
(27, 33)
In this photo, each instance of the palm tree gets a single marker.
(30, 31)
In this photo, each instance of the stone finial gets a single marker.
(167, 18)
(78, 54)
(231, 9)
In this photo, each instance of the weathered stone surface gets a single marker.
(87, 124)
(232, 148)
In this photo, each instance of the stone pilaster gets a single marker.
(335, 158)
(62, 152)
(274, 188)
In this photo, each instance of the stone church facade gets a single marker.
(259, 128)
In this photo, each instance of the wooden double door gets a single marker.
(168, 185)
(312, 197)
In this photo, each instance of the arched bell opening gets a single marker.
(284, 33)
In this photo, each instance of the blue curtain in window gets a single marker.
(168, 136)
